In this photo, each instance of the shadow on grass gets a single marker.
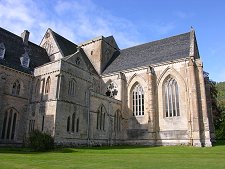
(9, 150)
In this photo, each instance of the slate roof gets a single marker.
(67, 47)
(168, 49)
(14, 50)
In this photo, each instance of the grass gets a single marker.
(116, 157)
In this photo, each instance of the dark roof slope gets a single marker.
(168, 49)
(14, 50)
(67, 47)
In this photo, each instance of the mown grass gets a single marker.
(116, 157)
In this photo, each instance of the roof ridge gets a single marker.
(155, 41)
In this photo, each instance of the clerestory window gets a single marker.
(171, 98)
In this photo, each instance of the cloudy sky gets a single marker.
(131, 22)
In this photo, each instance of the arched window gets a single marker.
(117, 121)
(77, 127)
(68, 123)
(73, 122)
(9, 124)
(71, 89)
(47, 85)
(138, 100)
(101, 118)
(16, 88)
(171, 97)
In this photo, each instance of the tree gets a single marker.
(218, 107)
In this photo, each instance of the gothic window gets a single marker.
(73, 122)
(16, 88)
(111, 90)
(101, 118)
(71, 89)
(117, 121)
(138, 100)
(68, 124)
(2, 50)
(47, 85)
(9, 124)
(171, 98)
(77, 127)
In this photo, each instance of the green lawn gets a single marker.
(116, 157)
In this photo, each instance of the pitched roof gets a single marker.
(168, 49)
(15, 48)
(67, 47)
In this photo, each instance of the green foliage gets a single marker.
(221, 92)
(218, 107)
(39, 141)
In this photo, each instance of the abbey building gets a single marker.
(94, 93)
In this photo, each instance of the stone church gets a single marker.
(94, 93)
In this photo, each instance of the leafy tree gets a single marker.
(217, 92)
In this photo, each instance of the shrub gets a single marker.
(39, 141)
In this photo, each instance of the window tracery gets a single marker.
(171, 98)
(138, 100)
(112, 90)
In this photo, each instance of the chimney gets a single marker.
(25, 36)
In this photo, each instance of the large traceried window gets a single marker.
(171, 97)
(9, 124)
(16, 88)
(138, 100)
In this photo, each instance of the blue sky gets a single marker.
(131, 22)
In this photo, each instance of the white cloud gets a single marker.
(76, 20)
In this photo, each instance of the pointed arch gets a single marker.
(9, 124)
(171, 85)
(47, 85)
(16, 88)
(169, 71)
(117, 120)
(171, 98)
(137, 94)
(101, 117)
